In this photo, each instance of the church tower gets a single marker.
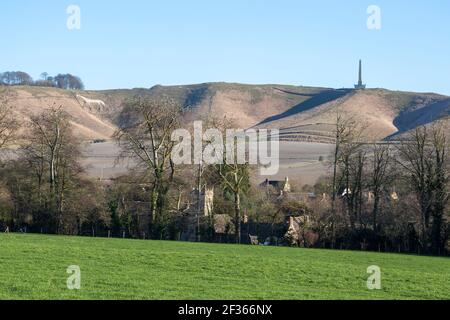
(360, 85)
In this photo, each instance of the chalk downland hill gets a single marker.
(300, 112)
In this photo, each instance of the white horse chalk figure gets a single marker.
(92, 102)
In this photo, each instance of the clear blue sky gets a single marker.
(125, 44)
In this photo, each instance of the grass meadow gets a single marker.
(35, 267)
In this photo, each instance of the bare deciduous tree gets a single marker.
(347, 134)
(52, 149)
(380, 177)
(145, 135)
(233, 174)
(8, 122)
(424, 158)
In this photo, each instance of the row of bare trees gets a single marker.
(43, 184)
(146, 136)
(424, 159)
(46, 189)
(370, 177)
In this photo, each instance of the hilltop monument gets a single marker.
(360, 85)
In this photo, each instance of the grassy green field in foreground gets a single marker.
(34, 267)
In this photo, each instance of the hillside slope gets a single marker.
(246, 104)
(87, 114)
(309, 111)
(300, 112)
(383, 113)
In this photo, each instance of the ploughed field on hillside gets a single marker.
(35, 267)
(302, 162)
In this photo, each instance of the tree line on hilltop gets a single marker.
(62, 81)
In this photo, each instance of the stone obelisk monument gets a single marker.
(360, 85)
